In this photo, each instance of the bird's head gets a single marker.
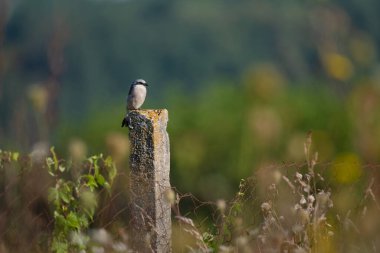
(139, 82)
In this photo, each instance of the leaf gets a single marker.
(65, 192)
(93, 159)
(54, 158)
(72, 220)
(61, 168)
(15, 156)
(60, 221)
(50, 163)
(96, 167)
(112, 172)
(100, 179)
(65, 196)
(108, 161)
(207, 237)
(59, 246)
(91, 182)
(53, 196)
(88, 201)
(80, 240)
(108, 187)
(83, 220)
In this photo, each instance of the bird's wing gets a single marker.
(130, 90)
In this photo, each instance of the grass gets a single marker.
(290, 209)
(286, 208)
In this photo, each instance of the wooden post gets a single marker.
(150, 167)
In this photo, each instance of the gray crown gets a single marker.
(139, 81)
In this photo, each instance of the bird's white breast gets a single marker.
(137, 97)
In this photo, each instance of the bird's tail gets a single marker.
(125, 122)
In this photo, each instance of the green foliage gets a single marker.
(290, 209)
(75, 199)
(277, 79)
(250, 115)
(223, 135)
(8, 156)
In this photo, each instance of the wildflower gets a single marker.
(266, 207)
(323, 199)
(170, 196)
(310, 199)
(38, 95)
(77, 149)
(118, 146)
(119, 247)
(302, 200)
(101, 236)
(221, 204)
(97, 249)
(224, 248)
(303, 216)
(241, 240)
(296, 207)
(277, 176)
(300, 250)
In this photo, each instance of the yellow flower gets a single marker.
(338, 66)
(346, 168)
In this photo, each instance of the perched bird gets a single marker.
(135, 99)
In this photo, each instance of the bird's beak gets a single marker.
(146, 84)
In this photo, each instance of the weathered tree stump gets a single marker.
(150, 167)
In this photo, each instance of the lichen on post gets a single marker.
(150, 168)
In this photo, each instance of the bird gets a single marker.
(135, 99)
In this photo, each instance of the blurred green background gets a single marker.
(244, 81)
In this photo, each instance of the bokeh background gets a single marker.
(243, 80)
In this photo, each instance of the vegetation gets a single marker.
(74, 200)
(229, 72)
(243, 82)
(280, 209)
